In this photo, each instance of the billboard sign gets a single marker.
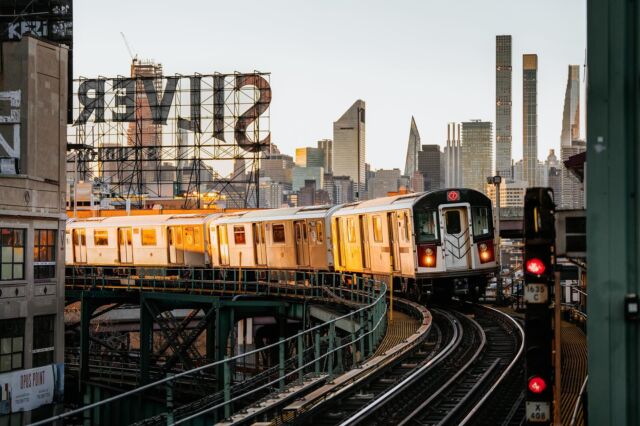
(26, 390)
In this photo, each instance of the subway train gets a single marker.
(439, 242)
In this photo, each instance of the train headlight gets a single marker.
(427, 256)
(485, 251)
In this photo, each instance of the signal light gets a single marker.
(537, 384)
(486, 252)
(535, 266)
(427, 256)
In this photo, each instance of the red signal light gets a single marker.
(535, 266)
(537, 384)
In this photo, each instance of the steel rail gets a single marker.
(506, 372)
(400, 387)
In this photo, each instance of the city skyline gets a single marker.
(302, 56)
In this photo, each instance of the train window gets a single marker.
(405, 222)
(148, 237)
(100, 237)
(196, 235)
(278, 233)
(377, 229)
(320, 231)
(188, 236)
(481, 221)
(238, 235)
(452, 218)
(351, 230)
(426, 226)
(313, 236)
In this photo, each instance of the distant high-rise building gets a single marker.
(413, 148)
(326, 145)
(572, 193)
(572, 188)
(429, 159)
(349, 147)
(530, 117)
(302, 174)
(477, 153)
(383, 182)
(503, 105)
(309, 157)
(453, 157)
(271, 194)
(554, 176)
(571, 113)
(512, 193)
(342, 189)
(278, 167)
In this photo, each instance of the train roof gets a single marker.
(405, 201)
(141, 220)
(267, 215)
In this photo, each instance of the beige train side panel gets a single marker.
(405, 233)
(280, 254)
(336, 242)
(106, 255)
(241, 250)
(213, 245)
(68, 248)
(150, 251)
(317, 239)
(351, 243)
(379, 243)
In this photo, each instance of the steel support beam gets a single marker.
(613, 133)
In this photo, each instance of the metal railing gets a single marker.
(315, 352)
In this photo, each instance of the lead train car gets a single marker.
(155, 241)
(442, 240)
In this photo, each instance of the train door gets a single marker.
(223, 245)
(364, 242)
(176, 245)
(337, 237)
(302, 243)
(79, 245)
(456, 241)
(260, 245)
(125, 246)
(394, 249)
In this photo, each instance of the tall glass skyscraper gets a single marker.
(530, 117)
(349, 147)
(503, 105)
(413, 150)
(477, 153)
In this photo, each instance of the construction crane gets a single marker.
(134, 58)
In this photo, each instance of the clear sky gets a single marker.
(433, 59)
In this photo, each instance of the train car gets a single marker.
(435, 241)
(288, 238)
(141, 241)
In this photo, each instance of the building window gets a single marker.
(149, 237)
(278, 233)
(238, 235)
(377, 229)
(12, 248)
(101, 237)
(11, 344)
(44, 254)
(43, 339)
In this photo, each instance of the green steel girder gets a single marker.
(613, 135)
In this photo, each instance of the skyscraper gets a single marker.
(477, 153)
(503, 105)
(349, 147)
(309, 157)
(571, 113)
(453, 154)
(413, 148)
(326, 145)
(530, 117)
(429, 160)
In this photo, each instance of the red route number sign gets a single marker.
(453, 196)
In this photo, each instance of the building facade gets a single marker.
(530, 117)
(309, 157)
(326, 145)
(429, 165)
(512, 193)
(302, 174)
(383, 182)
(413, 150)
(453, 157)
(33, 86)
(503, 105)
(477, 153)
(349, 147)
(572, 193)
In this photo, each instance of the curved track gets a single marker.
(474, 355)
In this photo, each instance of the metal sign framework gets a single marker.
(161, 137)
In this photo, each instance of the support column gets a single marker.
(146, 340)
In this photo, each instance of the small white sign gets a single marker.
(538, 412)
(536, 293)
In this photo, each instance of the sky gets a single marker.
(434, 60)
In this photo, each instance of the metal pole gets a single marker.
(557, 329)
